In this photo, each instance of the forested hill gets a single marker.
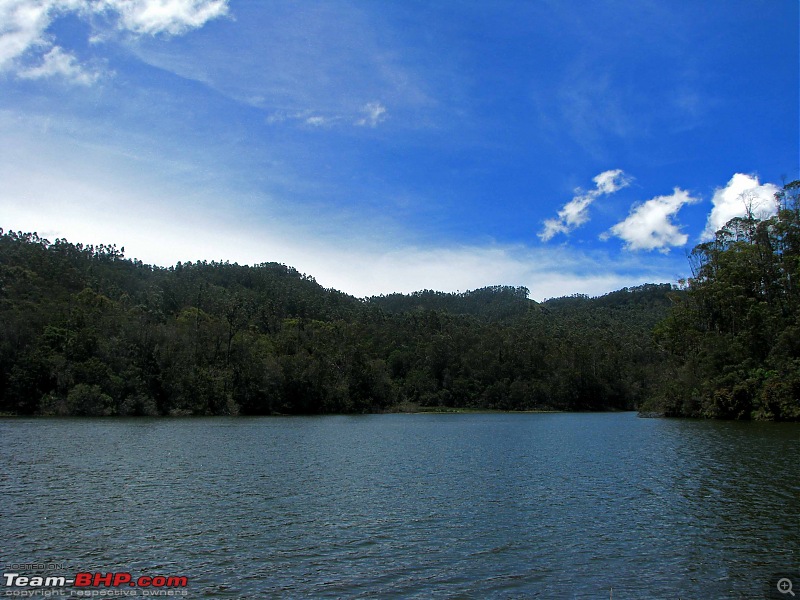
(733, 339)
(86, 331)
(495, 303)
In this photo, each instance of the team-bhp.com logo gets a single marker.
(90, 584)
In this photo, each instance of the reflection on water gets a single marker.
(484, 505)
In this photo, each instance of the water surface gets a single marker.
(411, 506)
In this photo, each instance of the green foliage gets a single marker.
(86, 331)
(88, 400)
(734, 338)
(490, 303)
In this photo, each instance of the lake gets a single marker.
(409, 506)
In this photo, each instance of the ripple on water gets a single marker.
(413, 506)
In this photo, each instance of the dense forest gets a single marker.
(87, 331)
(733, 339)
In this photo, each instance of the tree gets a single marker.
(734, 336)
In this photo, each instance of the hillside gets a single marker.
(87, 331)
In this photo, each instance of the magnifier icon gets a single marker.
(785, 586)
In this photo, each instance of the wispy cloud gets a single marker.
(319, 121)
(29, 50)
(742, 193)
(649, 225)
(593, 106)
(347, 62)
(57, 62)
(576, 212)
(370, 115)
(375, 112)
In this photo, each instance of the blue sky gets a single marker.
(563, 145)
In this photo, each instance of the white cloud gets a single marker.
(93, 194)
(649, 225)
(742, 192)
(164, 235)
(609, 182)
(546, 272)
(58, 62)
(576, 212)
(24, 25)
(375, 113)
(172, 17)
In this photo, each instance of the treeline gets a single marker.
(734, 336)
(86, 331)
